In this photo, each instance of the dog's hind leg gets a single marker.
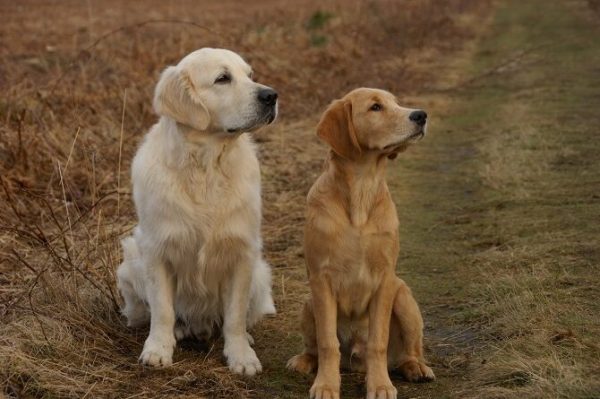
(307, 361)
(130, 284)
(405, 348)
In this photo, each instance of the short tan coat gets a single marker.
(351, 245)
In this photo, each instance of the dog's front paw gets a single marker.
(242, 359)
(382, 392)
(321, 390)
(380, 387)
(157, 353)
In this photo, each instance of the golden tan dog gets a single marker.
(351, 247)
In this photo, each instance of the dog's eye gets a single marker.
(376, 107)
(223, 79)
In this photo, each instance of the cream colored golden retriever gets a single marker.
(194, 261)
(351, 247)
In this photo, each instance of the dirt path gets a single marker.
(499, 211)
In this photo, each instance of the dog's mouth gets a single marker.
(392, 150)
(237, 130)
(416, 136)
(265, 119)
(250, 128)
(270, 114)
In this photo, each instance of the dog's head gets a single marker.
(367, 121)
(212, 90)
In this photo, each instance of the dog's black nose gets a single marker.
(419, 117)
(267, 96)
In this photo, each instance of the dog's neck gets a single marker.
(185, 144)
(361, 184)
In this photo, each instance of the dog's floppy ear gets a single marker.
(174, 97)
(337, 130)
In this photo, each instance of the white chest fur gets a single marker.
(190, 185)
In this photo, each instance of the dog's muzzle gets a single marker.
(266, 111)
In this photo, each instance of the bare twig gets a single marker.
(120, 154)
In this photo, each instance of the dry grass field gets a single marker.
(499, 206)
